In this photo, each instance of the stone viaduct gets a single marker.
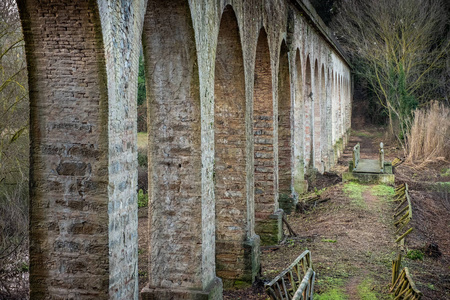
(244, 98)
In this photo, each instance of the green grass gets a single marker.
(355, 192)
(333, 294)
(366, 290)
(332, 289)
(329, 241)
(383, 191)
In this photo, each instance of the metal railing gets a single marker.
(296, 282)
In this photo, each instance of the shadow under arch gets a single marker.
(308, 118)
(284, 130)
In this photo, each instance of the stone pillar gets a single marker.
(181, 225)
(83, 206)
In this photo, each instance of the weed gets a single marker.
(431, 287)
(329, 241)
(415, 254)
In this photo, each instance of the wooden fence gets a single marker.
(295, 282)
(403, 211)
(403, 286)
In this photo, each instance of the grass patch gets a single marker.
(329, 241)
(415, 254)
(366, 290)
(333, 294)
(332, 289)
(355, 192)
(383, 191)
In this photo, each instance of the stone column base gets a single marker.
(240, 262)
(212, 292)
(270, 229)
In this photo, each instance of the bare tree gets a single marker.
(14, 149)
(400, 48)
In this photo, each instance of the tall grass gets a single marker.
(429, 139)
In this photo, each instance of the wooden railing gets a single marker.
(402, 285)
(295, 282)
(403, 211)
(356, 155)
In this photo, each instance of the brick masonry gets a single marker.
(244, 98)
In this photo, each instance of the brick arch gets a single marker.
(232, 224)
(71, 181)
(316, 117)
(308, 113)
(323, 120)
(175, 181)
(284, 125)
(264, 160)
(298, 127)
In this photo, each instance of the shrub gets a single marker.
(142, 199)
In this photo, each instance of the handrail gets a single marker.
(287, 283)
(306, 289)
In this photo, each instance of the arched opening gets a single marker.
(307, 114)
(317, 97)
(232, 224)
(284, 128)
(175, 228)
(323, 121)
(299, 185)
(264, 160)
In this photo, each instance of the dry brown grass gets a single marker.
(429, 139)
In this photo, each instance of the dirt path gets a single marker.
(351, 237)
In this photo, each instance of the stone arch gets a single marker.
(316, 117)
(284, 126)
(176, 231)
(323, 120)
(265, 201)
(307, 114)
(233, 229)
(298, 128)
